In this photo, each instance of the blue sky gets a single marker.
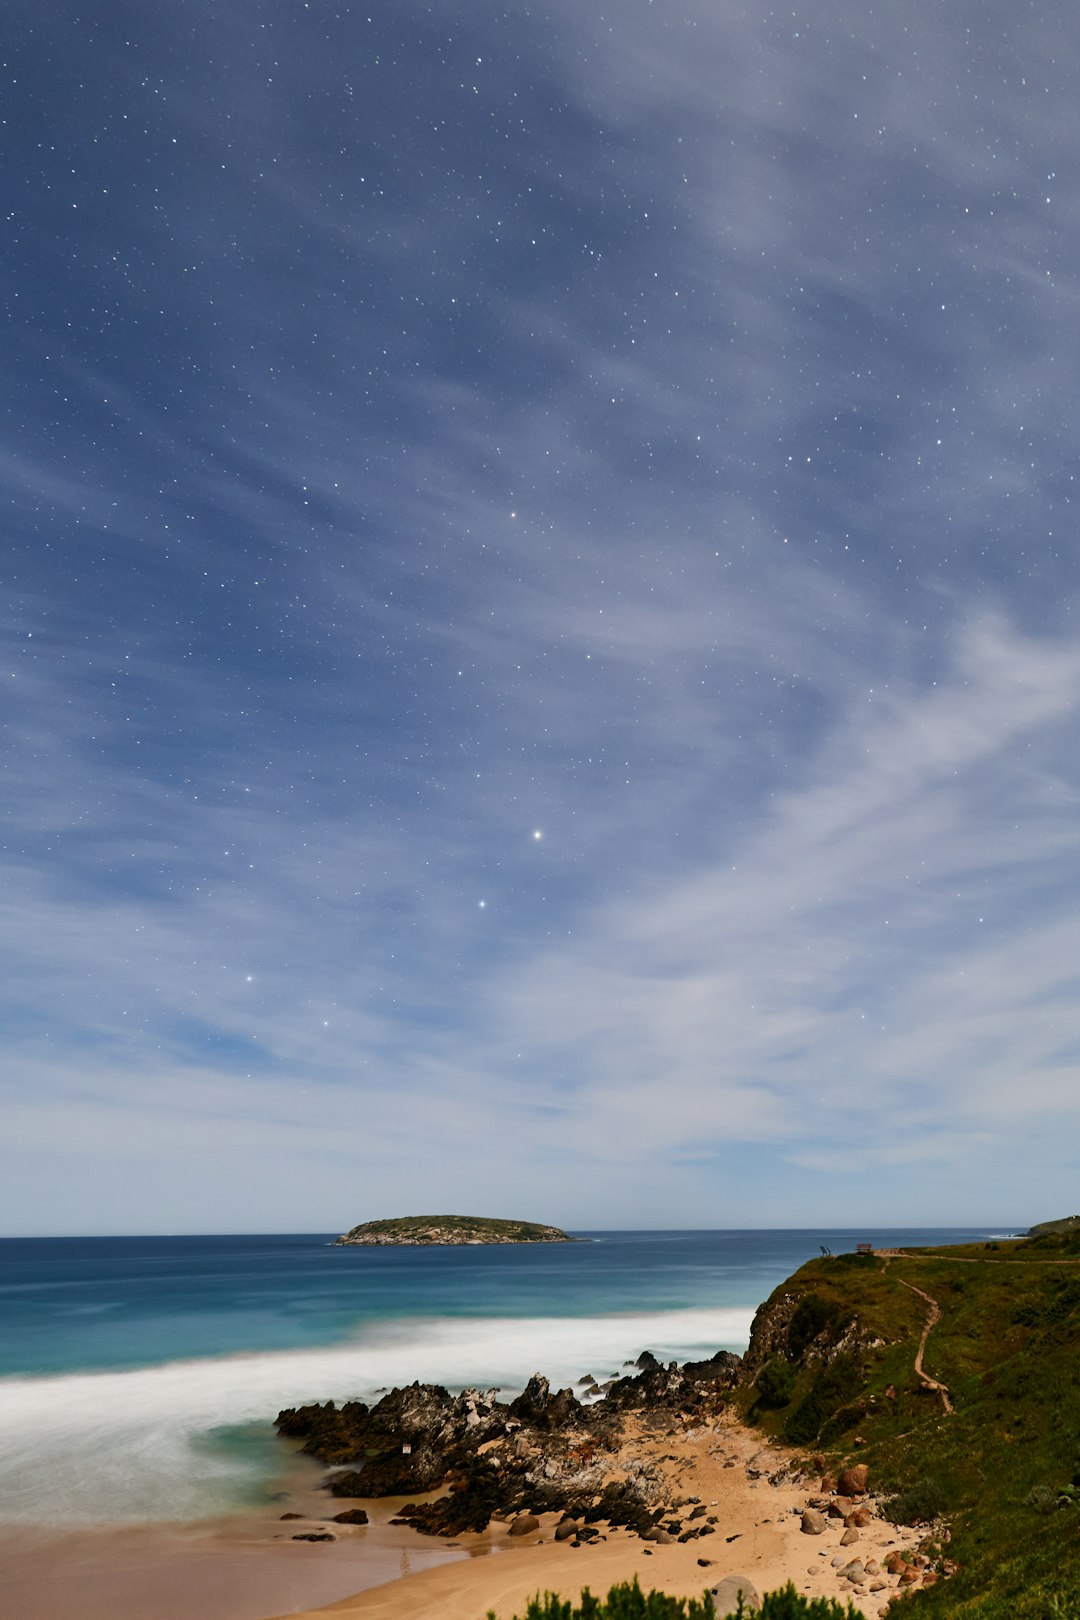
(540, 563)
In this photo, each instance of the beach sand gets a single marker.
(758, 1536)
(248, 1567)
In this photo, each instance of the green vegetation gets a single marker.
(452, 1230)
(629, 1602)
(776, 1383)
(1004, 1467)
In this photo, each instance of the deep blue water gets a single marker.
(71, 1304)
(125, 1360)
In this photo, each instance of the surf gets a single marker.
(193, 1438)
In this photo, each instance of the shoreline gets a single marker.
(758, 1537)
(240, 1566)
(247, 1567)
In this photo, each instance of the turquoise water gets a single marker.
(138, 1376)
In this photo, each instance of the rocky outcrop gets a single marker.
(543, 1452)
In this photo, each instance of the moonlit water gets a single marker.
(143, 1374)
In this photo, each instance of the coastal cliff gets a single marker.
(451, 1231)
(951, 1375)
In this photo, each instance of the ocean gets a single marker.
(139, 1377)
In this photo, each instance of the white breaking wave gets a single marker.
(131, 1446)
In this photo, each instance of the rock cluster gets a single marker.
(846, 1499)
(543, 1452)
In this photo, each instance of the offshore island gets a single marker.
(451, 1231)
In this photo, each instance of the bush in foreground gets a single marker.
(628, 1602)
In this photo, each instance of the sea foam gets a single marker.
(138, 1446)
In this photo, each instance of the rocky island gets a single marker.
(451, 1230)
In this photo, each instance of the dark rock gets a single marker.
(392, 1474)
(315, 1535)
(292, 1516)
(524, 1525)
(351, 1516)
(567, 1530)
(538, 1406)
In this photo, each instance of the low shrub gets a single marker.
(812, 1315)
(775, 1383)
(921, 1502)
(628, 1602)
(836, 1386)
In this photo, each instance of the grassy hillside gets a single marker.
(833, 1359)
(1068, 1223)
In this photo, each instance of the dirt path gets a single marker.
(933, 1317)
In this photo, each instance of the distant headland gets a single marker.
(1068, 1224)
(455, 1230)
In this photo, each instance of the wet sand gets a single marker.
(243, 1567)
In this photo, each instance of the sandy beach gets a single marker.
(758, 1535)
(249, 1568)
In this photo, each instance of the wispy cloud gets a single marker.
(661, 447)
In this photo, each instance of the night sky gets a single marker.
(539, 556)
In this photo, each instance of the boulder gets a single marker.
(812, 1523)
(538, 1406)
(351, 1516)
(849, 1536)
(860, 1517)
(852, 1481)
(726, 1594)
(567, 1530)
(524, 1524)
